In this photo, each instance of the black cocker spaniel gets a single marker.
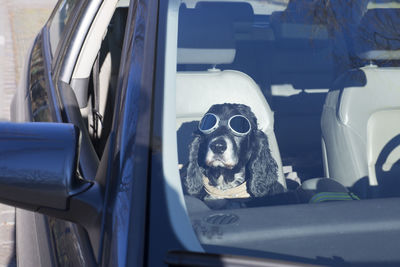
(230, 163)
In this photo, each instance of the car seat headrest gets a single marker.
(297, 29)
(206, 32)
(196, 92)
(377, 36)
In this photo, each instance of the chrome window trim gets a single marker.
(74, 44)
(67, 30)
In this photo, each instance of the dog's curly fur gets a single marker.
(254, 159)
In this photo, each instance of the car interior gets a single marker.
(360, 119)
(293, 82)
(301, 61)
(332, 99)
(315, 76)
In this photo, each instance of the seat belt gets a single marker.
(96, 86)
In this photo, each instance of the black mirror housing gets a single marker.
(38, 165)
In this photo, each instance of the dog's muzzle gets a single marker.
(220, 153)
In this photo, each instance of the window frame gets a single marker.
(52, 20)
(75, 13)
(351, 217)
(129, 143)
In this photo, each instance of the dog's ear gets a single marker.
(262, 168)
(193, 179)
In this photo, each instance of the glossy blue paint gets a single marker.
(126, 225)
(38, 163)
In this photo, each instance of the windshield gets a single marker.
(284, 102)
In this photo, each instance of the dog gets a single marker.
(230, 162)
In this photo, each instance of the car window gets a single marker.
(280, 102)
(59, 22)
(95, 76)
(102, 93)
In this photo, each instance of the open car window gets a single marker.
(280, 103)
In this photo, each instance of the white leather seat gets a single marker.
(196, 92)
(361, 118)
(357, 122)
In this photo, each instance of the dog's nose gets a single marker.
(218, 146)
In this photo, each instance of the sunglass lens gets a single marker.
(207, 122)
(240, 124)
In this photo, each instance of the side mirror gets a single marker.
(38, 171)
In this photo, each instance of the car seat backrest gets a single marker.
(357, 117)
(361, 117)
(196, 92)
(211, 87)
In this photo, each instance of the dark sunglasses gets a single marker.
(238, 124)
